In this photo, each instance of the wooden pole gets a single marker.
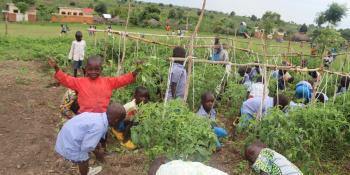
(120, 65)
(194, 34)
(6, 27)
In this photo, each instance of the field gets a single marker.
(318, 144)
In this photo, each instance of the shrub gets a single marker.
(173, 130)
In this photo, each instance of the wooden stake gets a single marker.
(194, 34)
(120, 66)
(6, 28)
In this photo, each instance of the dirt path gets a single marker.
(28, 119)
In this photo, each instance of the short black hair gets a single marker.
(205, 95)
(78, 36)
(179, 52)
(320, 97)
(243, 70)
(141, 89)
(344, 81)
(95, 58)
(281, 101)
(313, 74)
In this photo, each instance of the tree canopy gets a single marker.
(334, 14)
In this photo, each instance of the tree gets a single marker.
(303, 28)
(233, 13)
(172, 14)
(329, 38)
(270, 20)
(101, 8)
(22, 6)
(29, 2)
(335, 13)
(44, 12)
(91, 5)
(345, 33)
(320, 19)
(253, 18)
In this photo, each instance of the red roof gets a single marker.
(88, 10)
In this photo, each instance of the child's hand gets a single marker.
(52, 63)
(138, 69)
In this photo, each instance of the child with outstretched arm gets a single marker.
(81, 135)
(207, 111)
(123, 130)
(94, 92)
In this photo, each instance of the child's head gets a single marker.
(260, 79)
(243, 70)
(141, 95)
(115, 113)
(207, 101)
(179, 52)
(253, 150)
(217, 41)
(344, 81)
(156, 165)
(320, 97)
(94, 67)
(281, 101)
(78, 36)
(313, 74)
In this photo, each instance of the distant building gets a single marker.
(13, 14)
(69, 14)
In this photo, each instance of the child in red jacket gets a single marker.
(94, 92)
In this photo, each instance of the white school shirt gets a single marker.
(179, 167)
(77, 50)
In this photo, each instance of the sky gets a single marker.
(299, 11)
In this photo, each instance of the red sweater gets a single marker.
(94, 95)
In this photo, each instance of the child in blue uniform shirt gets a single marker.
(207, 111)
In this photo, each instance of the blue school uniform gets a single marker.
(219, 132)
(304, 90)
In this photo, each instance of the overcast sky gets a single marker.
(299, 11)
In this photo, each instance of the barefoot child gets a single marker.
(77, 52)
(266, 161)
(207, 111)
(123, 131)
(81, 135)
(178, 75)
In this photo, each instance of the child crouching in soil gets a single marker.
(122, 131)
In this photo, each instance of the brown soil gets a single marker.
(28, 119)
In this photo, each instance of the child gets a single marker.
(257, 89)
(304, 90)
(178, 75)
(80, 136)
(321, 97)
(161, 166)
(328, 59)
(244, 72)
(77, 52)
(253, 106)
(69, 107)
(343, 85)
(63, 30)
(123, 131)
(268, 161)
(207, 111)
(94, 92)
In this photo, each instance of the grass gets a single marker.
(49, 31)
